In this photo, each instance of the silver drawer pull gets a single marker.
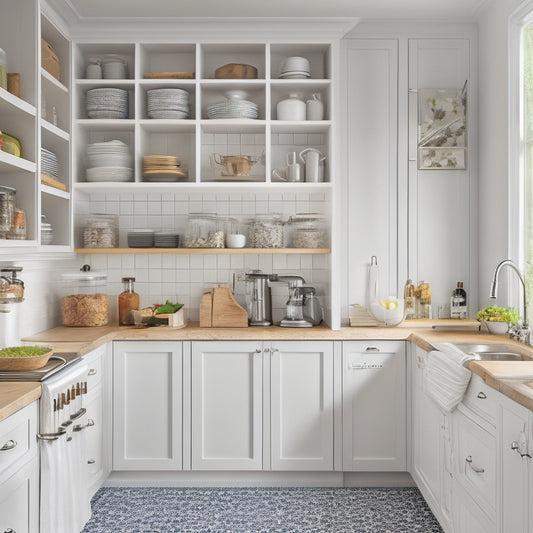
(515, 446)
(371, 349)
(481, 395)
(92, 372)
(79, 427)
(10, 530)
(9, 445)
(51, 436)
(91, 462)
(474, 468)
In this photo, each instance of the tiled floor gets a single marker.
(260, 510)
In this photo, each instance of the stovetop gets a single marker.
(56, 363)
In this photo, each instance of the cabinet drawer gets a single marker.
(481, 399)
(475, 462)
(17, 436)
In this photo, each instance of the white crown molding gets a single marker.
(246, 28)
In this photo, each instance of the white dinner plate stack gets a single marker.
(167, 103)
(107, 102)
(141, 238)
(109, 161)
(295, 68)
(49, 164)
(233, 108)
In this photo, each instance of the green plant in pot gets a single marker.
(498, 319)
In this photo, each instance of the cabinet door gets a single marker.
(302, 405)
(515, 489)
(226, 405)
(374, 406)
(19, 500)
(94, 451)
(426, 438)
(147, 405)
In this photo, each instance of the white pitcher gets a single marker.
(313, 160)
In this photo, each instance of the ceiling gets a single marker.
(448, 10)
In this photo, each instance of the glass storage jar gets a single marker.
(7, 208)
(100, 231)
(47, 232)
(202, 231)
(128, 301)
(83, 300)
(18, 225)
(266, 231)
(309, 230)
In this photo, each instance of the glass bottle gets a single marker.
(458, 307)
(128, 301)
(423, 300)
(409, 300)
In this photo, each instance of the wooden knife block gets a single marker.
(219, 309)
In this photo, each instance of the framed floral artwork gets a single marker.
(442, 129)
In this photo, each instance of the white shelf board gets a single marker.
(111, 124)
(168, 125)
(52, 191)
(54, 130)
(49, 79)
(306, 126)
(9, 103)
(11, 163)
(233, 125)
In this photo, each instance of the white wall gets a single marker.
(493, 245)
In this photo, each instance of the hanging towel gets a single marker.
(446, 377)
(65, 502)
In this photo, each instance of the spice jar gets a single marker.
(83, 302)
(266, 231)
(128, 301)
(100, 231)
(309, 230)
(18, 225)
(202, 231)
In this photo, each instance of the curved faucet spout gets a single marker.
(494, 285)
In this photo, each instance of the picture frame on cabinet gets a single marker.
(442, 129)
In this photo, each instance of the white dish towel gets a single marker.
(65, 503)
(446, 378)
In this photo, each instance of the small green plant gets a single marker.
(493, 313)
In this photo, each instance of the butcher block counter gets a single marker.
(514, 378)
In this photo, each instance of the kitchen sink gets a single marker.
(493, 352)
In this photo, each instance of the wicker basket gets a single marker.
(33, 362)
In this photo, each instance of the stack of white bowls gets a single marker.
(167, 103)
(295, 68)
(107, 102)
(109, 161)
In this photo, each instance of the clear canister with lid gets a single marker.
(100, 231)
(202, 231)
(84, 301)
(309, 230)
(47, 232)
(266, 231)
(7, 208)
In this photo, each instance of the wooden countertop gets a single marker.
(514, 378)
(15, 396)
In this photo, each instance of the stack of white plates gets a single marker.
(295, 68)
(107, 102)
(233, 108)
(167, 103)
(166, 240)
(141, 238)
(49, 164)
(109, 161)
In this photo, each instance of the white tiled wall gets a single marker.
(184, 277)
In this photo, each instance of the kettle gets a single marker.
(313, 160)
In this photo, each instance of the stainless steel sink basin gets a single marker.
(493, 352)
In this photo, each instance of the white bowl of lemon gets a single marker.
(390, 311)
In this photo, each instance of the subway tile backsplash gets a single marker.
(184, 277)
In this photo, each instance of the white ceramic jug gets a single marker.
(315, 108)
(292, 108)
(313, 160)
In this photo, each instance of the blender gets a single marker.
(258, 302)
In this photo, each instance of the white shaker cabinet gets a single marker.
(301, 403)
(262, 405)
(430, 445)
(374, 406)
(227, 384)
(147, 405)
(19, 471)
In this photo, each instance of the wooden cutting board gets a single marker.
(219, 309)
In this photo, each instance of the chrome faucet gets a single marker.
(518, 332)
